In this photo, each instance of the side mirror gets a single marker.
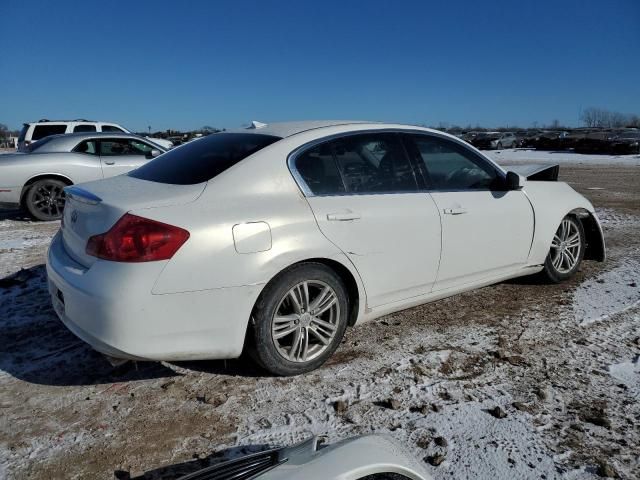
(153, 153)
(514, 181)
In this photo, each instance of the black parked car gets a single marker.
(596, 142)
(626, 142)
(551, 140)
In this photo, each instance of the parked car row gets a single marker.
(492, 140)
(34, 131)
(581, 140)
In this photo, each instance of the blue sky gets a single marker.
(193, 63)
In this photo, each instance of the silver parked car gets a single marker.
(35, 180)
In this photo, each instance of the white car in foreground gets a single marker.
(371, 457)
(277, 238)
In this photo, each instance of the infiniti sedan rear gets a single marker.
(277, 238)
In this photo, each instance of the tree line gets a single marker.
(602, 118)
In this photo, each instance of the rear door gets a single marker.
(486, 231)
(364, 194)
(121, 155)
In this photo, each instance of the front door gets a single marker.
(486, 231)
(121, 155)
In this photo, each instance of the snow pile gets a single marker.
(611, 292)
(515, 156)
(628, 373)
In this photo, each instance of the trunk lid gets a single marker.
(93, 208)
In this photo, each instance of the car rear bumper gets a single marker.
(110, 306)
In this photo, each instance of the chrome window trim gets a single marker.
(302, 185)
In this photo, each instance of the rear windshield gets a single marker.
(203, 159)
(23, 132)
(38, 144)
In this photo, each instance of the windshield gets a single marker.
(629, 135)
(202, 159)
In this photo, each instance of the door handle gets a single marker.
(343, 217)
(454, 211)
(109, 162)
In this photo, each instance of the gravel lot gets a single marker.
(517, 380)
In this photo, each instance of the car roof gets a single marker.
(287, 129)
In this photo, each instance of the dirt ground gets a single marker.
(518, 380)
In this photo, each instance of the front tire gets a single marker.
(45, 199)
(299, 320)
(566, 252)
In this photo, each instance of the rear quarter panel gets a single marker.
(551, 201)
(259, 189)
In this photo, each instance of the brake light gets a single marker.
(137, 239)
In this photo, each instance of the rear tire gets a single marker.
(566, 252)
(299, 320)
(45, 199)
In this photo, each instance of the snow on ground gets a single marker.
(23, 242)
(523, 155)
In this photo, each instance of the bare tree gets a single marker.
(617, 120)
(590, 116)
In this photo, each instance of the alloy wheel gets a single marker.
(48, 199)
(305, 321)
(565, 247)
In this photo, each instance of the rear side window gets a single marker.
(110, 128)
(374, 163)
(203, 159)
(319, 170)
(87, 146)
(358, 164)
(84, 128)
(44, 130)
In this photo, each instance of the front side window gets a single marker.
(450, 166)
(142, 147)
(122, 146)
(87, 147)
(84, 128)
(203, 159)
(44, 130)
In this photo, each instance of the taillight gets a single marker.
(137, 239)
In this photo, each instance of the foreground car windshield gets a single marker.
(201, 160)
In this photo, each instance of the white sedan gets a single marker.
(277, 238)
